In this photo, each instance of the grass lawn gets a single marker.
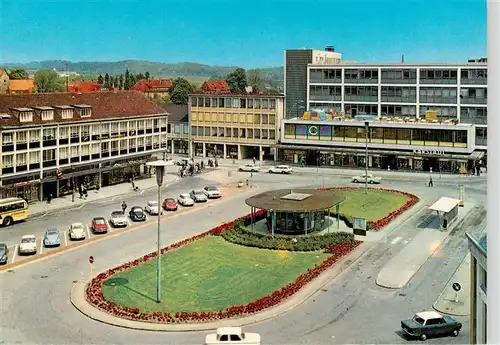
(208, 275)
(374, 205)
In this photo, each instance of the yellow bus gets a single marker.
(13, 210)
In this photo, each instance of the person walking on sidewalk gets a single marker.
(124, 207)
(49, 198)
(253, 160)
(431, 183)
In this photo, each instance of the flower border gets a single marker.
(96, 298)
(382, 222)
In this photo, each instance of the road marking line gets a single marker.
(65, 240)
(406, 241)
(88, 231)
(41, 247)
(110, 228)
(15, 253)
(129, 222)
(114, 198)
(396, 240)
(81, 206)
(142, 191)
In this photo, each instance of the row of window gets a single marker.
(48, 115)
(264, 119)
(233, 102)
(407, 136)
(427, 75)
(244, 133)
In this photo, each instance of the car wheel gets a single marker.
(240, 169)
(455, 332)
(370, 182)
(7, 221)
(355, 181)
(282, 172)
(423, 337)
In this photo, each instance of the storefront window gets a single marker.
(361, 134)
(313, 133)
(418, 164)
(290, 131)
(390, 135)
(351, 133)
(404, 136)
(377, 135)
(460, 139)
(338, 133)
(301, 131)
(445, 138)
(325, 132)
(431, 138)
(417, 136)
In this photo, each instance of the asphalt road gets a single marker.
(353, 310)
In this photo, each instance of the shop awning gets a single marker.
(476, 155)
(444, 204)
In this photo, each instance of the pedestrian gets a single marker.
(431, 183)
(49, 198)
(124, 207)
(253, 160)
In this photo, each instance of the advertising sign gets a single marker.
(325, 131)
(461, 192)
(359, 226)
(300, 130)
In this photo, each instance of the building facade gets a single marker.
(19, 86)
(153, 88)
(478, 291)
(403, 90)
(234, 126)
(178, 128)
(52, 143)
(4, 80)
(84, 86)
(295, 76)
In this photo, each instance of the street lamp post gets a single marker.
(367, 128)
(160, 167)
(72, 184)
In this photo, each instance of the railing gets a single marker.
(361, 98)
(325, 81)
(361, 81)
(325, 98)
(399, 99)
(474, 81)
(438, 81)
(473, 100)
(438, 100)
(398, 81)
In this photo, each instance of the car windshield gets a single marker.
(197, 192)
(99, 221)
(211, 188)
(418, 320)
(52, 232)
(169, 200)
(28, 240)
(77, 226)
(137, 210)
(184, 196)
(117, 214)
(153, 203)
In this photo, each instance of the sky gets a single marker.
(248, 34)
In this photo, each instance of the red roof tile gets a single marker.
(84, 86)
(224, 93)
(152, 85)
(22, 85)
(104, 105)
(216, 85)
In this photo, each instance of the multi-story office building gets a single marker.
(234, 126)
(51, 143)
(178, 128)
(295, 76)
(478, 289)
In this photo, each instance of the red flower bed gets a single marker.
(95, 296)
(379, 224)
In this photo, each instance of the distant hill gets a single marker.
(157, 69)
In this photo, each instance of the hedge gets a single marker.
(240, 234)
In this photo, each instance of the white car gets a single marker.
(280, 169)
(152, 207)
(232, 335)
(198, 195)
(76, 231)
(371, 179)
(212, 192)
(118, 219)
(27, 244)
(185, 200)
(250, 167)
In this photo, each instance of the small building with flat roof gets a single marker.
(447, 208)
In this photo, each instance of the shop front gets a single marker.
(26, 187)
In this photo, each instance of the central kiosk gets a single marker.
(296, 211)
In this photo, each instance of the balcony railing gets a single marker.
(473, 100)
(325, 81)
(399, 99)
(398, 81)
(325, 98)
(361, 81)
(438, 100)
(474, 81)
(438, 81)
(361, 98)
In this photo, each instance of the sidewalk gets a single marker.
(65, 202)
(345, 171)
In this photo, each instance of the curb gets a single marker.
(78, 300)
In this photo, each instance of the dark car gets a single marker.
(430, 324)
(99, 225)
(169, 204)
(137, 214)
(4, 252)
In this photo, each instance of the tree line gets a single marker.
(122, 81)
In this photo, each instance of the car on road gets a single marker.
(185, 200)
(98, 225)
(27, 245)
(52, 238)
(137, 214)
(212, 192)
(370, 177)
(250, 167)
(118, 219)
(4, 253)
(76, 231)
(430, 324)
(169, 204)
(232, 335)
(152, 207)
(198, 195)
(280, 169)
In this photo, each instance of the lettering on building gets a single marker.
(428, 152)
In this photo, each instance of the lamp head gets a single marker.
(160, 167)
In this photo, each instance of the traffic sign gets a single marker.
(91, 259)
(456, 286)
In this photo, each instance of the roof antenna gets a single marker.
(402, 58)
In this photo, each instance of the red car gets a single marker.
(169, 204)
(99, 225)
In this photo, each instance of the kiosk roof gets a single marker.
(280, 200)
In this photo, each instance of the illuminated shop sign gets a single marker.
(428, 152)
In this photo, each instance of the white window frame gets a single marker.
(64, 132)
(52, 154)
(67, 114)
(47, 115)
(21, 134)
(74, 151)
(34, 135)
(8, 161)
(26, 116)
(85, 112)
(9, 141)
(63, 153)
(20, 160)
(34, 157)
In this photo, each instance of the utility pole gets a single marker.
(367, 128)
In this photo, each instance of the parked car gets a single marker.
(185, 200)
(118, 219)
(169, 204)
(280, 169)
(371, 179)
(76, 231)
(52, 238)
(232, 335)
(430, 324)
(198, 196)
(152, 207)
(250, 167)
(137, 214)
(212, 192)
(99, 225)
(4, 253)
(27, 245)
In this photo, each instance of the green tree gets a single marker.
(49, 81)
(106, 81)
(180, 90)
(147, 75)
(255, 80)
(127, 84)
(237, 80)
(140, 76)
(100, 79)
(120, 82)
(133, 80)
(18, 73)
